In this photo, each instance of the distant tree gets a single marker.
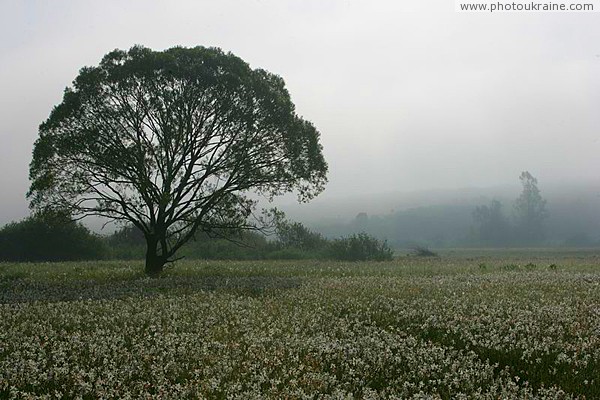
(361, 221)
(128, 235)
(530, 210)
(127, 243)
(243, 246)
(49, 237)
(296, 235)
(492, 226)
(174, 142)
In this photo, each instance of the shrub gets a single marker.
(360, 247)
(50, 237)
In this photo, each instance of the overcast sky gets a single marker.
(406, 97)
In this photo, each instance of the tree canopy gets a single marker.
(173, 142)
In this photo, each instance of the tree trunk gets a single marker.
(154, 262)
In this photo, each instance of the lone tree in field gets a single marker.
(530, 209)
(173, 142)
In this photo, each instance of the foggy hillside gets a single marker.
(445, 217)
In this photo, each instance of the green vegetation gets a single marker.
(60, 239)
(173, 142)
(49, 237)
(361, 247)
(459, 326)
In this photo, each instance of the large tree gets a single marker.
(174, 142)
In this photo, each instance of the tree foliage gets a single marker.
(174, 142)
(49, 237)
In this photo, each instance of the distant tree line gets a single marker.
(524, 221)
(55, 237)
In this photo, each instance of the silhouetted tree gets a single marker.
(530, 210)
(173, 142)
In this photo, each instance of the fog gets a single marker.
(408, 98)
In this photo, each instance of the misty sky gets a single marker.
(406, 97)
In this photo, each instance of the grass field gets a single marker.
(466, 325)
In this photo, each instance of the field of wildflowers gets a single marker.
(450, 327)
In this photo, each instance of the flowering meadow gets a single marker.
(453, 327)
